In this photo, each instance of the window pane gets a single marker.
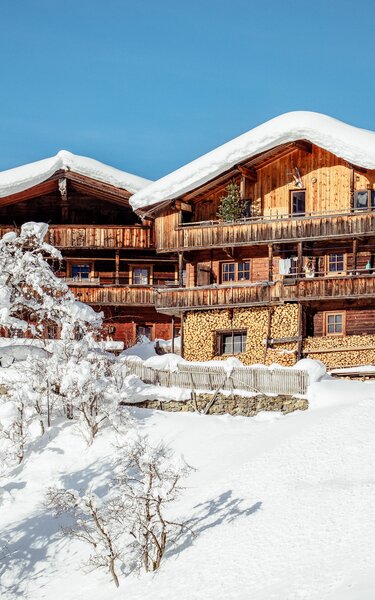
(227, 344)
(372, 198)
(331, 328)
(336, 262)
(228, 272)
(140, 276)
(82, 271)
(298, 202)
(331, 319)
(244, 271)
(361, 199)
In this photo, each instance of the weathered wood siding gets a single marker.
(114, 295)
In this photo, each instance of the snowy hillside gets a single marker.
(284, 507)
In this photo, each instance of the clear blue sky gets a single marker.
(148, 85)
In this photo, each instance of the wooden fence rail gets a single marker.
(268, 381)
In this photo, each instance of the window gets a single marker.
(81, 270)
(334, 323)
(298, 202)
(143, 331)
(335, 263)
(231, 342)
(235, 271)
(141, 276)
(364, 199)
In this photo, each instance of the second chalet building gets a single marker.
(109, 254)
(295, 275)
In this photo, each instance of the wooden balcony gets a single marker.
(114, 295)
(174, 301)
(92, 236)
(214, 234)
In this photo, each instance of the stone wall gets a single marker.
(236, 405)
(200, 333)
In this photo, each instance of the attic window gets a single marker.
(298, 202)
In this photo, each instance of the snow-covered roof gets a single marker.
(22, 178)
(355, 145)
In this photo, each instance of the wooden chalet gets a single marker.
(109, 254)
(295, 276)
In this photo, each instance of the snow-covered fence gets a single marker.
(196, 377)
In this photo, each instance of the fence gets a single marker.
(195, 377)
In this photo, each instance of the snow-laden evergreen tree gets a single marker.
(232, 206)
(31, 295)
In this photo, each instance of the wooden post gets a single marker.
(270, 262)
(299, 259)
(181, 269)
(182, 335)
(352, 189)
(117, 267)
(300, 332)
(355, 253)
(172, 334)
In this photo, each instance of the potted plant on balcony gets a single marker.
(232, 206)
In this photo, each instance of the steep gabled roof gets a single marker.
(357, 146)
(22, 178)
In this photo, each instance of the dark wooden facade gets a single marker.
(321, 258)
(109, 257)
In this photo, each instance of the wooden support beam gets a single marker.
(352, 188)
(63, 189)
(182, 350)
(172, 323)
(300, 332)
(304, 145)
(181, 269)
(355, 253)
(270, 262)
(248, 172)
(299, 258)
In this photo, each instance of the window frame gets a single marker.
(76, 262)
(230, 332)
(327, 264)
(297, 191)
(370, 199)
(235, 264)
(335, 313)
(132, 270)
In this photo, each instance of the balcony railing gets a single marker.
(114, 295)
(96, 236)
(258, 230)
(174, 301)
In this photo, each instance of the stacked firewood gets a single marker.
(356, 350)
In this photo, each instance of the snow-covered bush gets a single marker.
(91, 523)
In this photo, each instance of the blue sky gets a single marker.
(148, 85)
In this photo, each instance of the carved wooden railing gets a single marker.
(269, 229)
(96, 236)
(114, 295)
(173, 301)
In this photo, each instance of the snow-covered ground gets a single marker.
(284, 507)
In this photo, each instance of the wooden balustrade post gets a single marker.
(182, 351)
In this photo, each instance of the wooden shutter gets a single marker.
(203, 274)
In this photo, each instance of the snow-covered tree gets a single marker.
(232, 206)
(91, 390)
(149, 481)
(31, 296)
